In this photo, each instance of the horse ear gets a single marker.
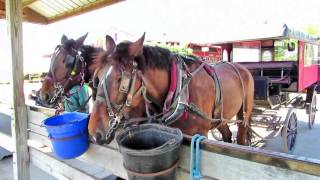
(64, 39)
(110, 44)
(80, 41)
(136, 48)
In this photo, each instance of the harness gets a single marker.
(72, 61)
(178, 96)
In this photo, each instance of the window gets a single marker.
(311, 54)
(286, 50)
(225, 56)
(246, 51)
(267, 55)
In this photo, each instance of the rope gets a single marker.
(195, 170)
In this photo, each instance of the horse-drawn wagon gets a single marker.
(282, 61)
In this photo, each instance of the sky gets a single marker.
(166, 20)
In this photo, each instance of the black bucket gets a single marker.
(150, 151)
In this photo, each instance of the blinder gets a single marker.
(70, 61)
(125, 83)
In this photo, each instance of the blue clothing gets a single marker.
(79, 99)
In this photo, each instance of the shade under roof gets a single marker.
(48, 11)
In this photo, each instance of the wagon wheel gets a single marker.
(312, 109)
(216, 134)
(289, 131)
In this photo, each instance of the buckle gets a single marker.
(111, 114)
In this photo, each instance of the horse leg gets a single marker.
(226, 133)
(242, 129)
(243, 137)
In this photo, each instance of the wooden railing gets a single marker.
(218, 160)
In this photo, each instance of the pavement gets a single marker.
(6, 171)
(307, 142)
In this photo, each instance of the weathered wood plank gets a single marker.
(40, 139)
(37, 129)
(226, 167)
(57, 168)
(91, 169)
(278, 159)
(105, 157)
(36, 117)
(19, 123)
(213, 165)
(86, 8)
(219, 160)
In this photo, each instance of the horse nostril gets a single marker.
(46, 96)
(99, 138)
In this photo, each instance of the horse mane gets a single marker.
(99, 60)
(152, 57)
(89, 53)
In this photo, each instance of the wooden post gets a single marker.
(20, 121)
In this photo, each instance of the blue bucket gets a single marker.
(68, 133)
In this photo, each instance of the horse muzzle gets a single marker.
(100, 138)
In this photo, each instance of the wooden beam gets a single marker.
(28, 2)
(87, 8)
(30, 15)
(20, 119)
(217, 157)
(2, 6)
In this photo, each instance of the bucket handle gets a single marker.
(168, 143)
(65, 138)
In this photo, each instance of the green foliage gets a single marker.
(177, 49)
(312, 30)
(281, 52)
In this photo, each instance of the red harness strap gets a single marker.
(172, 91)
(172, 88)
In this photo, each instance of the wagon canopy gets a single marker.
(264, 32)
(48, 11)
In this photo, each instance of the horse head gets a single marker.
(66, 70)
(119, 92)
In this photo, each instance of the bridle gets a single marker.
(117, 112)
(72, 61)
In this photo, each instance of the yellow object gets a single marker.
(73, 73)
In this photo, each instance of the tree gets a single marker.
(312, 30)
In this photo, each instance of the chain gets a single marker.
(113, 126)
(83, 64)
(58, 92)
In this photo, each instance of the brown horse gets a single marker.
(71, 64)
(149, 71)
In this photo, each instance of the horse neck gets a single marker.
(157, 83)
(88, 53)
